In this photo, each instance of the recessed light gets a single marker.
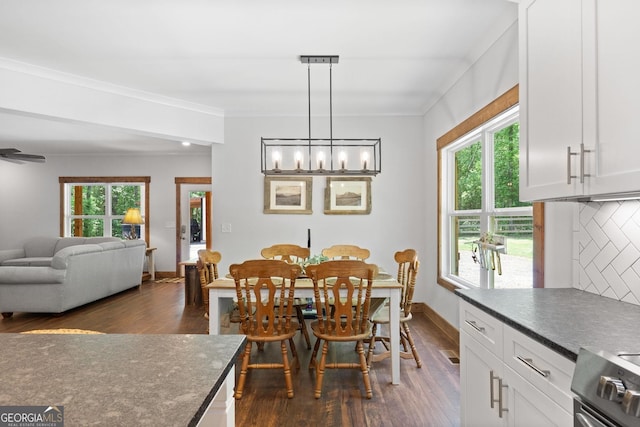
(186, 143)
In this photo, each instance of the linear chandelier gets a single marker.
(320, 156)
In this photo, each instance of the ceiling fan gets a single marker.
(16, 156)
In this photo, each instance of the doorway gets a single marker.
(193, 217)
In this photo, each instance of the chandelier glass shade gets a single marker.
(320, 156)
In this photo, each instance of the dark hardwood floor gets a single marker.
(428, 396)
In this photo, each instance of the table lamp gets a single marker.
(133, 218)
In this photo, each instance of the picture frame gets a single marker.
(287, 195)
(347, 196)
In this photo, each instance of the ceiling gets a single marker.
(242, 57)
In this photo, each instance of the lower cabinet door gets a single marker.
(480, 377)
(528, 406)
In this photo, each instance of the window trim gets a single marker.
(504, 102)
(107, 180)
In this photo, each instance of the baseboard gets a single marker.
(438, 320)
(165, 274)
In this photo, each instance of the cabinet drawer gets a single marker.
(547, 370)
(486, 329)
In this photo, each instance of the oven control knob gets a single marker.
(611, 388)
(631, 403)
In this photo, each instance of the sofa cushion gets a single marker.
(111, 245)
(33, 275)
(29, 262)
(65, 242)
(61, 258)
(40, 247)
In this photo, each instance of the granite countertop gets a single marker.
(563, 319)
(114, 379)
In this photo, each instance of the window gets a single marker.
(95, 206)
(486, 233)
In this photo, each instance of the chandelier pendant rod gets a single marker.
(331, 113)
(309, 98)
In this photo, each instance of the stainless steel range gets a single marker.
(608, 389)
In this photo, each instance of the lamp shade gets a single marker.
(133, 217)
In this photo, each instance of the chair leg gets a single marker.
(243, 371)
(320, 369)
(294, 354)
(286, 368)
(365, 370)
(303, 326)
(412, 344)
(313, 362)
(372, 344)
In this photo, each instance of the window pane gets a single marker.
(87, 200)
(516, 265)
(468, 191)
(506, 164)
(466, 229)
(124, 197)
(88, 227)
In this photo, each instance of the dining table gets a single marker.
(384, 286)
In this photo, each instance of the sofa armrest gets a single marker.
(31, 275)
(11, 254)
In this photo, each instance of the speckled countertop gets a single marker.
(117, 380)
(563, 319)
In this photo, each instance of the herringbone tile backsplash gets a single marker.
(606, 249)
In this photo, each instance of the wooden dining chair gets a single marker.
(208, 261)
(265, 292)
(346, 252)
(408, 265)
(345, 282)
(293, 254)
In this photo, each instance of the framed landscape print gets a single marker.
(287, 195)
(349, 196)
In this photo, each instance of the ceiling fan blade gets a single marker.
(16, 156)
(27, 157)
(9, 151)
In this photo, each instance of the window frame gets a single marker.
(106, 181)
(490, 112)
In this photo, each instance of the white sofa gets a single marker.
(55, 274)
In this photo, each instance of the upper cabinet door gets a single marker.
(612, 93)
(550, 98)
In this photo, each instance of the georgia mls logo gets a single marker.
(31, 416)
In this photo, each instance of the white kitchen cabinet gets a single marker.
(612, 90)
(529, 407)
(578, 84)
(509, 379)
(480, 376)
(550, 96)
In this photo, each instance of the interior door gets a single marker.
(185, 248)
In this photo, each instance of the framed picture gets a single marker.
(349, 196)
(287, 195)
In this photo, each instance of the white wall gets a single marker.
(30, 202)
(397, 217)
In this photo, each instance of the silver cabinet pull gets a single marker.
(501, 409)
(491, 396)
(582, 153)
(475, 326)
(529, 362)
(569, 176)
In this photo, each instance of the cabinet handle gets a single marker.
(569, 154)
(529, 362)
(582, 153)
(475, 326)
(491, 394)
(501, 409)
(491, 397)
